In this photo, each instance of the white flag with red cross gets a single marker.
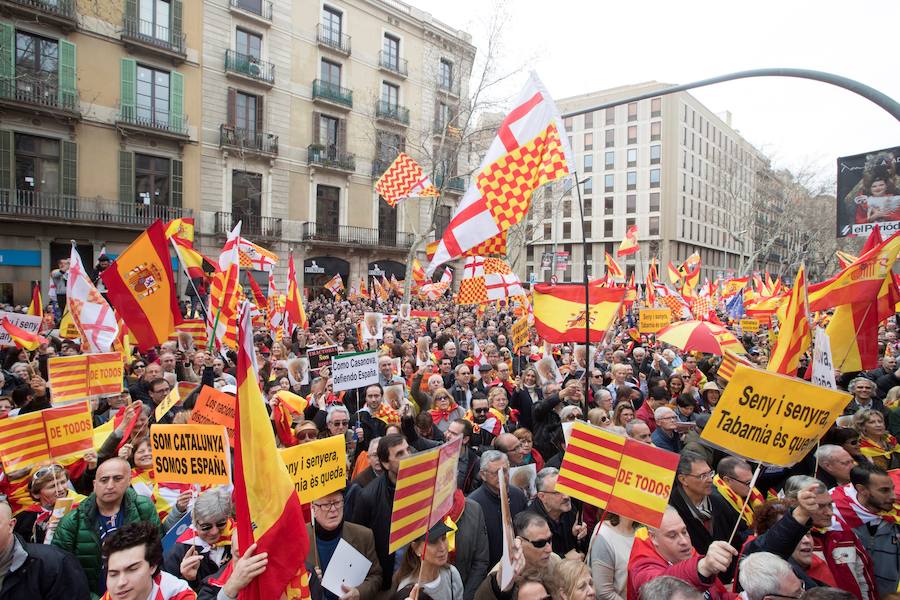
(89, 310)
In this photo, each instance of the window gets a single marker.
(610, 138)
(655, 154)
(152, 95)
(567, 230)
(548, 210)
(609, 159)
(654, 178)
(328, 132)
(445, 74)
(442, 220)
(632, 111)
(631, 180)
(444, 117)
(609, 182)
(588, 163)
(330, 72)
(656, 107)
(37, 64)
(151, 180)
(328, 210)
(391, 49)
(607, 228)
(589, 120)
(387, 223)
(632, 157)
(567, 123)
(586, 224)
(654, 201)
(37, 164)
(629, 222)
(630, 203)
(548, 231)
(588, 207)
(155, 18)
(608, 205)
(588, 141)
(567, 208)
(632, 134)
(390, 95)
(332, 25)
(610, 116)
(387, 146)
(254, 6)
(245, 112)
(249, 44)
(655, 131)
(246, 201)
(589, 186)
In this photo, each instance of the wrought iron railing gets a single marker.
(77, 209)
(247, 139)
(331, 157)
(336, 40)
(392, 112)
(146, 119)
(361, 236)
(252, 226)
(154, 34)
(392, 63)
(332, 92)
(38, 92)
(64, 9)
(250, 66)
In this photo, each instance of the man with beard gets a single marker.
(482, 439)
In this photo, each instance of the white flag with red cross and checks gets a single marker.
(90, 311)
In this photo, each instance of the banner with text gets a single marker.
(317, 468)
(29, 323)
(191, 454)
(652, 320)
(214, 408)
(823, 365)
(77, 377)
(53, 433)
(351, 371)
(519, 333)
(867, 193)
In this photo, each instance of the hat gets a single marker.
(440, 529)
(485, 368)
(710, 386)
(229, 389)
(102, 258)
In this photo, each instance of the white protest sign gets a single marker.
(29, 323)
(823, 365)
(355, 370)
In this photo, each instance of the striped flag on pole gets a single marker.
(589, 468)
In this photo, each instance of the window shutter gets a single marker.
(402, 147)
(126, 178)
(69, 173)
(127, 94)
(176, 22)
(176, 180)
(7, 58)
(259, 115)
(231, 108)
(6, 164)
(176, 101)
(67, 94)
(317, 128)
(342, 135)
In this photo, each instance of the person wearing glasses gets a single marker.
(666, 435)
(691, 498)
(462, 387)
(206, 545)
(532, 558)
(569, 533)
(330, 529)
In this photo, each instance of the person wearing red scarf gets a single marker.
(445, 410)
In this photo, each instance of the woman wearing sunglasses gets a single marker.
(206, 545)
(48, 484)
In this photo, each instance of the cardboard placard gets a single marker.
(215, 408)
(651, 320)
(356, 370)
(317, 468)
(191, 454)
(320, 357)
(53, 433)
(519, 333)
(372, 326)
(83, 375)
(749, 325)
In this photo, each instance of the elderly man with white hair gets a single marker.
(765, 575)
(665, 436)
(834, 465)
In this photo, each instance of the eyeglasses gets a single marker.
(46, 471)
(140, 366)
(329, 506)
(479, 411)
(706, 476)
(309, 434)
(794, 597)
(207, 526)
(747, 483)
(340, 423)
(537, 543)
(572, 417)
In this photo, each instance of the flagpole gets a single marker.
(190, 279)
(587, 293)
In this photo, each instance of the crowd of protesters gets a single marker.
(825, 528)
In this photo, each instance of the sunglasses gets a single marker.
(46, 471)
(140, 366)
(207, 526)
(538, 543)
(307, 435)
(479, 411)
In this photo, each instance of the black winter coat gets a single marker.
(48, 573)
(372, 508)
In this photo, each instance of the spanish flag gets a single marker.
(182, 229)
(630, 244)
(560, 314)
(23, 339)
(418, 273)
(794, 335)
(267, 508)
(863, 280)
(612, 268)
(293, 308)
(36, 308)
(194, 264)
(142, 289)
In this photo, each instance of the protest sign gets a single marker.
(53, 433)
(191, 454)
(372, 326)
(354, 370)
(214, 408)
(77, 377)
(29, 323)
(506, 568)
(643, 483)
(749, 325)
(519, 333)
(589, 467)
(69, 429)
(171, 399)
(823, 365)
(320, 357)
(652, 320)
(317, 468)
(770, 418)
(403, 311)
(61, 508)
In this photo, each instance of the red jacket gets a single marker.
(646, 415)
(848, 561)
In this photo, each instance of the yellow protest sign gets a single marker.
(317, 468)
(749, 325)
(652, 320)
(770, 418)
(519, 333)
(171, 399)
(191, 454)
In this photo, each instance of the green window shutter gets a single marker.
(126, 177)
(127, 89)
(176, 182)
(6, 164)
(7, 59)
(176, 102)
(68, 97)
(177, 26)
(69, 173)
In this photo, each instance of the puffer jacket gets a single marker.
(77, 532)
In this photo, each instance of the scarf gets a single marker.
(871, 448)
(387, 414)
(438, 415)
(452, 518)
(163, 495)
(470, 417)
(736, 502)
(851, 512)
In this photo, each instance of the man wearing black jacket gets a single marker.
(569, 536)
(488, 497)
(691, 497)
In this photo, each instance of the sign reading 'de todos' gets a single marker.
(317, 468)
(191, 454)
(654, 319)
(771, 418)
(356, 370)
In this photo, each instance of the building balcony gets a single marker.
(258, 10)
(441, 129)
(392, 64)
(379, 167)
(249, 68)
(331, 158)
(451, 88)
(39, 96)
(146, 35)
(348, 235)
(333, 40)
(59, 13)
(248, 141)
(165, 126)
(454, 185)
(25, 205)
(332, 94)
(392, 113)
(252, 226)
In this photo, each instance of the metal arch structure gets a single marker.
(869, 93)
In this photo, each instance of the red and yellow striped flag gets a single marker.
(729, 361)
(196, 328)
(794, 335)
(293, 307)
(223, 294)
(23, 441)
(589, 468)
(643, 483)
(267, 508)
(629, 243)
(612, 268)
(77, 377)
(22, 339)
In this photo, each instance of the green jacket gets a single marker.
(77, 532)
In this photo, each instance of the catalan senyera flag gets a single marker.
(182, 229)
(36, 308)
(23, 339)
(629, 244)
(52, 433)
(729, 361)
(643, 499)
(23, 440)
(794, 335)
(403, 179)
(690, 281)
(141, 287)
(223, 294)
(426, 483)
(418, 273)
(560, 314)
(295, 315)
(531, 149)
(192, 262)
(589, 467)
(195, 329)
(861, 281)
(267, 508)
(77, 377)
(612, 267)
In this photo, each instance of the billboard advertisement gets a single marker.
(868, 192)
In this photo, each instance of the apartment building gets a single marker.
(98, 136)
(304, 107)
(668, 165)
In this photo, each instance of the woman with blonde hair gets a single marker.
(875, 443)
(571, 580)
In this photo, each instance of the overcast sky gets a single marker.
(587, 45)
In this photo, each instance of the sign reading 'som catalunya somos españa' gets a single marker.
(191, 454)
(771, 418)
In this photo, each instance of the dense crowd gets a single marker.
(825, 528)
